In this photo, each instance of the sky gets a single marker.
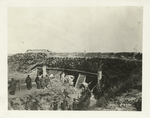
(75, 29)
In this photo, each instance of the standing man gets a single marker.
(12, 86)
(47, 81)
(37, 80)
(42, 82)
(28, 82)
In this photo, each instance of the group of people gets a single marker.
(81, 103)
(41, 82)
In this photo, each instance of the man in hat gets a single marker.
(37, 80)
(42, 83)
(12, 86)
(47, 81)
(28, 82)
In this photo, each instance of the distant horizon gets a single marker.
(79, 52)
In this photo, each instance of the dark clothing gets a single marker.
(69, 108)
(64, 105)
(12, 87)
(47, 81)
(29, 83)
(34, 106)
(86, 94)
(42, 83)
(55, 104)
(37, 80)
(74, 105)
(38, 85)
(27, 105)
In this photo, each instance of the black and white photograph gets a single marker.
(75, 58)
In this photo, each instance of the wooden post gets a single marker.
(44, 71)
(84, 78)
(77, 80)
(99, 73)
(80, 80)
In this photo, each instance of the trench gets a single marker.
(43, 99)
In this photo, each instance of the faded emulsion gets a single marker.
(75, 58)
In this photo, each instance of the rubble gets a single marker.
(43, 98)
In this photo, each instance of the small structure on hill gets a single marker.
(39, 51)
